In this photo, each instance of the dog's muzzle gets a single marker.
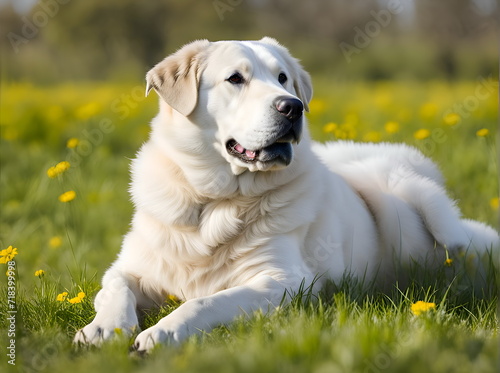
(279, 147)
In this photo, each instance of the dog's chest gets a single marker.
(200, 260)
(223, 221)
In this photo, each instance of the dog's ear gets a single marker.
(302, 81)
(176, 79)
(303, 86)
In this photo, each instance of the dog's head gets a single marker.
(249, 94)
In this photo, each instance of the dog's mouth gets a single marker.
(235, 149)
(279, 151)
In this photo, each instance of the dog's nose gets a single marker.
(290, 107)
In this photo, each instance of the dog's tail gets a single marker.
(481, 236)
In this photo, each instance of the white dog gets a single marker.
(234, 205)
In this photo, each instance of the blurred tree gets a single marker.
(453, 24)
(122, 39)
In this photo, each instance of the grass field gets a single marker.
(72, 237)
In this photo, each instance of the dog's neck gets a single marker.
(203, 166)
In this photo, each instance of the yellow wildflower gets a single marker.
(78, 298)
(58, 169)
(494, 203)
(173, 298)
(62, 297)
(330, 127)
(451, 119)
(421, 307)
(428, 110)
(40, 273)
(88, 111)
(68, 196)
(391, 127)
(55, 242)
(51, 172)
(62, 166)
(72, 143)
(483, 132)
(422, 134)
(448, 262)
(8, 254)
(372, 136)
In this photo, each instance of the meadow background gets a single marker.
(73, 91)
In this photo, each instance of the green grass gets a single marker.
(345, 329)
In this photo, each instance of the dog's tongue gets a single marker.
(249, 153)
(240, 149)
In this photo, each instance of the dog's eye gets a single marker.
(236, 78)
(282, 78)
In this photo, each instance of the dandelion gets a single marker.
(391, 127)
(483, 132)
(78, 298)
(62, 166)
(88, 111)
(173, 298)
(428, 110)
(494, 203)
(330, 127)
(8, 254)
(62, 297)
(58, 169)
(55, 242)
(422, 134)
(40, 273)
(448, 261)
(68, 196)
(451, 119)
(72, 143)
(51, 172)
(421, 307)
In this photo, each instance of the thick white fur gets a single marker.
(228, 237)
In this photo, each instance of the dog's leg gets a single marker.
(205, 313)
(116, 306)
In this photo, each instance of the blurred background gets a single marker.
(55, 40)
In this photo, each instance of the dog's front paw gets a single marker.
(160, 333)
(95, 334)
